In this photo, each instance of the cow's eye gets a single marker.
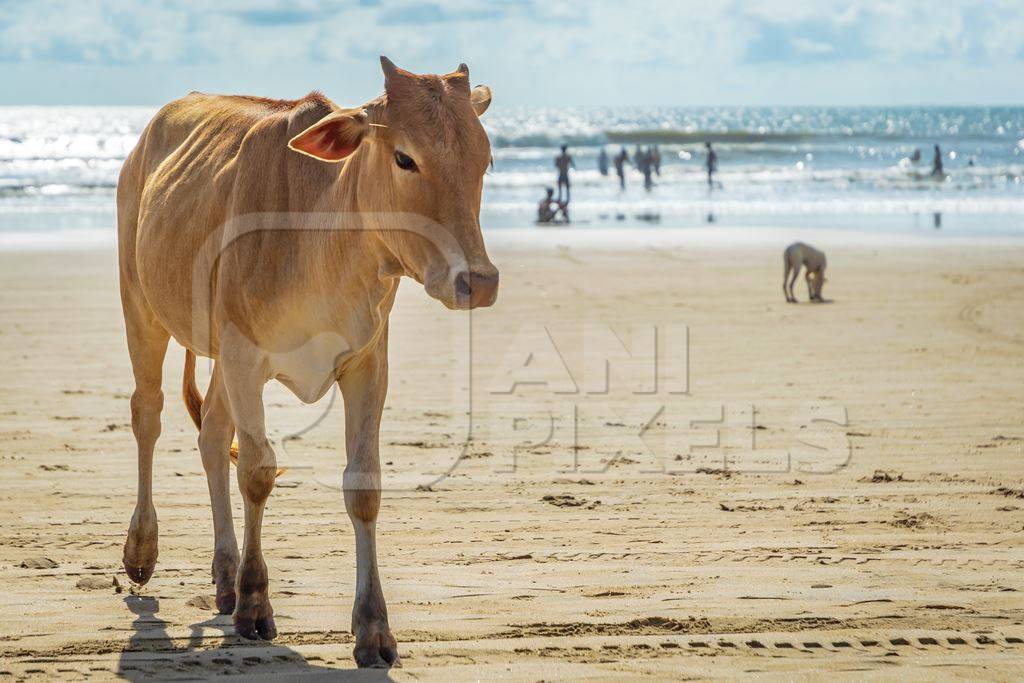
(404, 161)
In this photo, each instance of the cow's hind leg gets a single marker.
(364, 388)
(147, 345)
(215, 437)
(257, 468)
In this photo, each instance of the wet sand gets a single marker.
(807, 489)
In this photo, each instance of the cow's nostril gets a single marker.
(462, 286)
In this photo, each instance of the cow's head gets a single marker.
(422, 154)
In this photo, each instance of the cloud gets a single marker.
(669, 31)
(806, 46)
(809, 40)
(276, 16)
(95, 33)
(416, 13)
(887, 31)
(561, 51)
(432, 13)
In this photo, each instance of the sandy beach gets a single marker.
(807, 488)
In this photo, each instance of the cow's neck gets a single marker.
(350, 260)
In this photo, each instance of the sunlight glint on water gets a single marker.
(59, 166)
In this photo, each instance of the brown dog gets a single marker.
(799, 255)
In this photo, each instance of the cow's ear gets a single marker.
(481, 99)
(333, 137)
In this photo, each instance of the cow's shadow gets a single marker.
(151, 653)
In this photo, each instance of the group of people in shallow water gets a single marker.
(647, 161)
(555, 209)
(552, 209)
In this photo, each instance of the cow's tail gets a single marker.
(194, 401)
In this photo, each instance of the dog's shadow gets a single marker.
(151, 653)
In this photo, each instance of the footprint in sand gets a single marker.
(564, 253)
(94, 583)
(570, 501)
(207, 603)
(38, 562)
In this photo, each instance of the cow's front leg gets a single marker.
(257, 469)
(364, 387)
(215, 434)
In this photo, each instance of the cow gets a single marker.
(799, 255)
(270, 236)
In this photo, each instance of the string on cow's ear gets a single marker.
(373, 138)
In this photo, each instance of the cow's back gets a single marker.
(177, 187)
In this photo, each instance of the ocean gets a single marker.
(843, 168)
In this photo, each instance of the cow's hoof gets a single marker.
(378, 650)
(138, 574)
(140, 553)
(253, 629)
(225, 601)
(224, 570)
(140, 546)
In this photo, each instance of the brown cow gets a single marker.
(238, 237)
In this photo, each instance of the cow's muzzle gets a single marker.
(474, 289)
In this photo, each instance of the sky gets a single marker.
(531, 52)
